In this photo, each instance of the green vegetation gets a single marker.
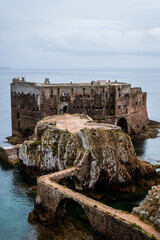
(153, 237)
(156, 228)
(137, 226)
(141, 218)
(54, 147)
(35, 143)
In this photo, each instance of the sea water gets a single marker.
(16, 198)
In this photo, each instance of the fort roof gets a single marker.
(92, 83)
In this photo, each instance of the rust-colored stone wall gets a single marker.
(25, 105)
(104, 102)
(138, 110)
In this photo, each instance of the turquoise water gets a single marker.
(16, 200)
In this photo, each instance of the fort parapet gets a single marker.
(110, 102)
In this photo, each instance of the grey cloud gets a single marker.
(65, 32)
(99, 38)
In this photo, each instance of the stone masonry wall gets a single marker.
(104, 224)
(107, 102)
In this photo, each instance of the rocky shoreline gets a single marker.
(150, 130)
(150, 208)
(108, 164)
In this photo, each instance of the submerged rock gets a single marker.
(104, 154)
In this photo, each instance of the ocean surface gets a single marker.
(16, 198)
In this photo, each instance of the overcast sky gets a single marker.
(79, 33)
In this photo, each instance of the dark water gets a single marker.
(16, 200)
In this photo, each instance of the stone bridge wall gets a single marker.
(107, 222)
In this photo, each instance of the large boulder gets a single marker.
(104, 155)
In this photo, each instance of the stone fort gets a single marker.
(104, 101)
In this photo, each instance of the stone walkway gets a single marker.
(128, 217)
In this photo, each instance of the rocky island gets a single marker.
(103, 152)
(73, 137)
(100, 159)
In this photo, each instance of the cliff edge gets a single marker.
(103, 153)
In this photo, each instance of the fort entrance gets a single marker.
(65, 109)
(123, 124)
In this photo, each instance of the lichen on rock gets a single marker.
(150, 207)
(105, 156)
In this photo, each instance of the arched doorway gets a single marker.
(123, 124)
(70, 210)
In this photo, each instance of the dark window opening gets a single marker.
(18, 119)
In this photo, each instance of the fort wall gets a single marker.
(103, 101)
